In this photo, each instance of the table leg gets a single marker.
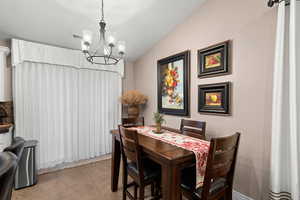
(115, 164)
(171, 182)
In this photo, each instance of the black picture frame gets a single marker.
(223, 69)
(224, 89)
(185, 56)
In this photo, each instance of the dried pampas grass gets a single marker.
(133, 97)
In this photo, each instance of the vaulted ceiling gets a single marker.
(141, 23)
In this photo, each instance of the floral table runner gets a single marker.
(199, 147)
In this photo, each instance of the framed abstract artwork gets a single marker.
(214, 60)
(214, 98)
(173, 79)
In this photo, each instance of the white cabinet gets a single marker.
(5, 75)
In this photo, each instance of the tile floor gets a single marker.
(88, 182)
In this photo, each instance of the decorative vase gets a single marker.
(158, 127)
(133, 111)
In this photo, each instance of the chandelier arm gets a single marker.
(106, 60)
(117, 60)
(110, 52)
(94, 53)
(90, 57)
(86, 54)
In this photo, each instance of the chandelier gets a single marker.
(108, 52)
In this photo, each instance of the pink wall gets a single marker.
(251, 27)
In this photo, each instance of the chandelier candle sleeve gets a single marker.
(87, 36)
(121, 47)
(84, 46)
(111, 40)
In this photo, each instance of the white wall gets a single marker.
(5, 74)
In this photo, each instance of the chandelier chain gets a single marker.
(102, 9)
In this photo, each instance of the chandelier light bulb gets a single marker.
(111, 40)
(87, 36)
(121, 47)
(84, 46)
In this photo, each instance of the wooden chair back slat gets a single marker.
(129, 135)
(223, 157)
(193, 128)
(221, 170)
(129, 148)
(221, 162)
(226, 143)
(131, 122)
(193, 133)
(193, 123)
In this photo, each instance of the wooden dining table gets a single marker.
(171, 158)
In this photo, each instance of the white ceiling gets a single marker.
(141, 23)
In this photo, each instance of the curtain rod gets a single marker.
(271, 3)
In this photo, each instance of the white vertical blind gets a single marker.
(68, 110)
(98, 108)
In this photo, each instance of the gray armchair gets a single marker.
(8, 166)
(16, 148)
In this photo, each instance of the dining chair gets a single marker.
(143, 171)
(16, 147)
(8, 165)
(219, 174)
(130, 122)
(193, 128)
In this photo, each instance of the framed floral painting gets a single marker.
(214, 98)
(214, 60)
(173, 74)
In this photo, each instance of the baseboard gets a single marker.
(74, 164)
(239, 196)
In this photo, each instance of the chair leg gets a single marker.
(228, 194)
(124, 183)
(156, 191)
(152, 189)
(142, 192)
(135, 191)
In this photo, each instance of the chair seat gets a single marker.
(7, 160)
(151, 169)
(188, 182)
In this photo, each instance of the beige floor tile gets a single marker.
(89, 182)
